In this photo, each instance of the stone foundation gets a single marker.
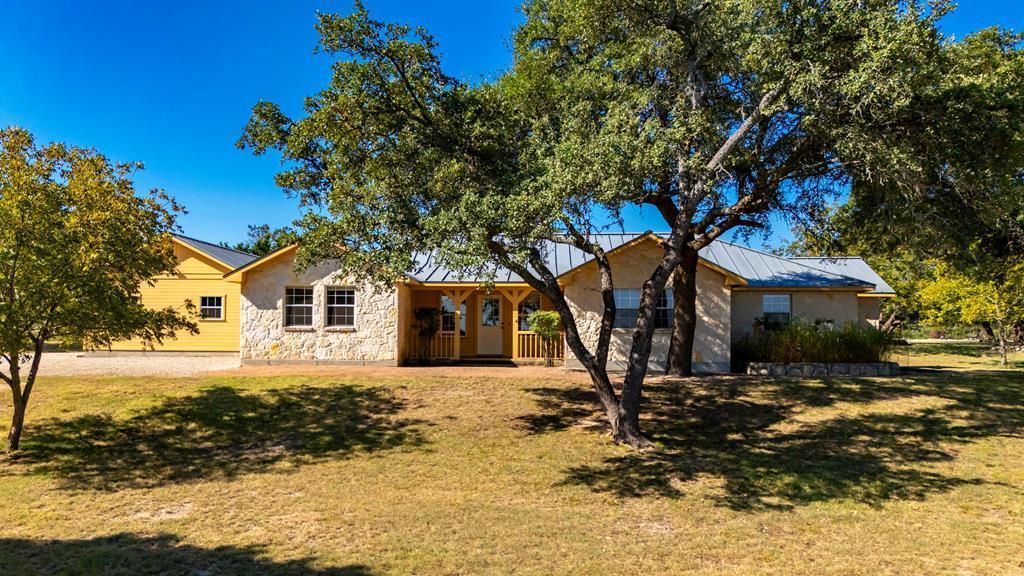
(820, 370)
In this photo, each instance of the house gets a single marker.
(316, 315)
(198, 278)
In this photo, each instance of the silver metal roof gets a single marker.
(758, 268)
(761, 269)
(232, 258)
(852, 266)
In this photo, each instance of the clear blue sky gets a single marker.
(171, 83)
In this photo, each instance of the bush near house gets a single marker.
(801, 341)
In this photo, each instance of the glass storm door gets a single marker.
(489, 338)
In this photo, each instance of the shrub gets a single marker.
(801, 341)
(548, 325)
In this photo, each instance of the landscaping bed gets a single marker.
(821, 369)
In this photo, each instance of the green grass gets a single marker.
(510, 471)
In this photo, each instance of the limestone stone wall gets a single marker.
(818, 370)
(630, 268)
(265, 338)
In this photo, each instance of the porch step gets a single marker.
(492, 362)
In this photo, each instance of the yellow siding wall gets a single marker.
(197, 275)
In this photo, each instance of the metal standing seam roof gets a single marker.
(853, 266)
(233, 258)
(760, 269)
(560, 258)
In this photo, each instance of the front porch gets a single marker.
(478, 324)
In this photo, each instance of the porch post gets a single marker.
(515, 296)
(458, 296)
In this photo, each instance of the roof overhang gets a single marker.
(205, 254)
(859, 289)
(876, 295)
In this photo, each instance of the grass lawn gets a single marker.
(470, 471)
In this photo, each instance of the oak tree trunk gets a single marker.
(17, 424)
(684, 315)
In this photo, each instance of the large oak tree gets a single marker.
(715, 113)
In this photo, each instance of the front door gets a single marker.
(489, 339)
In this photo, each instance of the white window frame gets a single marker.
(448, 316)
(328, 307)
(633, 296)
(767, 308)
(287, 305)
(219, 308)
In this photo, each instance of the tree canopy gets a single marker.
(76, 243)
(714, 113)
(262, 239)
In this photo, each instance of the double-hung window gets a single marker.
(776, 309)
(627, 307)
(341, 307)
(211, 307)
(298, 307)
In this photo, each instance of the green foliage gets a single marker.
(263, 240)
(955, 297)
(76, 243)
(548, 325)
(715, 113)
(801, 341)
(545, 323)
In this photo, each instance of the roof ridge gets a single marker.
(825, 257)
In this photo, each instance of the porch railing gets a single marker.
(442, 345)
(531, 347)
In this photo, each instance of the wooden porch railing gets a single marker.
(531, 346)
(442, 345)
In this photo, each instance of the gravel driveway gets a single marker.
(75, 363)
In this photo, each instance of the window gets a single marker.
(211, 307)
(627, 307)
(448, 316)
(528, 306)
(341, 307)
(298, 307)
(490, 312)
(664, 312)
(776, 310)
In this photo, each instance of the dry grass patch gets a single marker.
(470, 471)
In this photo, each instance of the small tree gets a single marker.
(76, 243)
(955, 297)
(548, 325)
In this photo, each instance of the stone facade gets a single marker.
(630, 268)
(265, 339)
(819, 370)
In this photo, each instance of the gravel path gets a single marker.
(75, 363)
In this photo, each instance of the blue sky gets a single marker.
(171, 83)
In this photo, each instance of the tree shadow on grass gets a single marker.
(128, 554)
(778, 445)
(221, 432)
